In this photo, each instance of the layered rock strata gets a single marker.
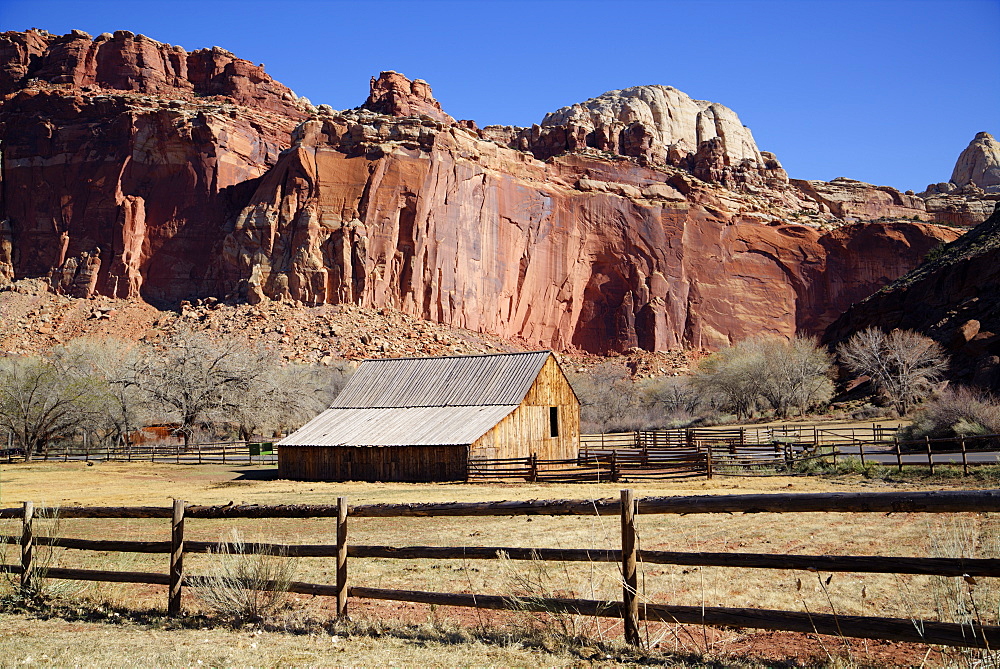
(573, 252)
(118, 172)
(133, 168)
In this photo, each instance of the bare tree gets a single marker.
(608, 398)
(118, 366)
(39, 402)
(286, 396)
(796, 373)
(731, 378)
(670, 397)
(767, 372)
(198, 380)
(903, 365)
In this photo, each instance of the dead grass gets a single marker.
(812, 533)
(29, 641)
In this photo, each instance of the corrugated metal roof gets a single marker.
(413, 426)
(471, 380)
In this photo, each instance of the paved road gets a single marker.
(888, 456)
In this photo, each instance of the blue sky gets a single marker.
(883, 91)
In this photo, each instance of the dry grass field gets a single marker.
(409, 634)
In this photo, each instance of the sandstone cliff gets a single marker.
(974, 189)
(123, 157)
(572, 252)
(124, 61)
(979, 164)
(953, 298)
(135, 169)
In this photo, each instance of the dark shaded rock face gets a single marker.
(953, 298)
(132, 168)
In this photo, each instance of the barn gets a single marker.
(428, 419)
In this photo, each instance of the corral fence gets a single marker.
(754, 451)
(631, 609)
(219, 452)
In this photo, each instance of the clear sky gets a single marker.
(885, 91)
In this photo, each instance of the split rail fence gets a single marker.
(708, 452)
(630, 608)
(222, 452)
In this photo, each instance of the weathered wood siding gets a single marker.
(526, 430)
(373, 463)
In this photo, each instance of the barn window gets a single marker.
(553, 421)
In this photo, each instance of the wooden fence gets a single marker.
(222, 452)
(779, 450)
(630, 608)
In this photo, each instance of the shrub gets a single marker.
(767, 372)
(958, 412)
(244, 587)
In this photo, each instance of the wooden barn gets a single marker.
(427, 419)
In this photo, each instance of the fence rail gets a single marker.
(768, 451)
(222, 452)
(630, 609)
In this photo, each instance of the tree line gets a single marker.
(110, 388)
(764, 375)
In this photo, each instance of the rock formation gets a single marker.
(641, 218)
(393, 94)
(954, 298)
(979, 164)
(124, 61)
(573, 252)
(113, 150)
(974, 189)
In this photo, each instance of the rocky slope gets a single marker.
(974, 188)
(953, 298)
(641, 218)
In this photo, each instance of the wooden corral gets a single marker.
(430, 419)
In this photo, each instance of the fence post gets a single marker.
(708, 461)
(899, 455)
(930, 456)
(614, 466)
(630, 580)
(341, 557)
(861, 450)
(27, 541)
(199, 453)
(533, 467)
(176, 558)
(965, 460)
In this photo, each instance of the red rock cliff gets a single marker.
(132, 168)
(122, 157)
(573, 252)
